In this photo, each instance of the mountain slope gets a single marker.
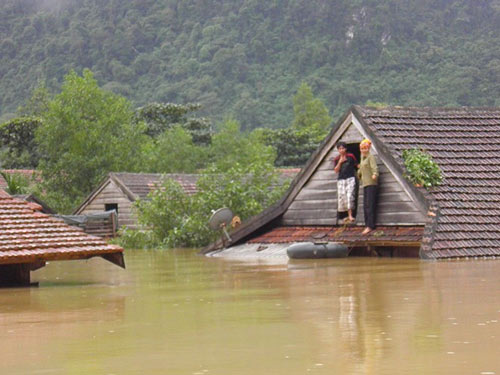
(247, 58)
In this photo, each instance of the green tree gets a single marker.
(173, 151)
(38, 104)
(293, 148)
(309, 127)
(86, 133)
(160, 117)
(230, 146)
(310, 114)
(18, 148)
(172, 218)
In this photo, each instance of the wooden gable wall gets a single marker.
(316, 202)
(111, 193)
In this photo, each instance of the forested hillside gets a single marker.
(248, 57)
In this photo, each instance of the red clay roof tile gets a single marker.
(348, 235)
(27, 236)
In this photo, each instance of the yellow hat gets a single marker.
(365, 142)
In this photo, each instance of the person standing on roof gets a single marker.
(345, 165)
(368, 174)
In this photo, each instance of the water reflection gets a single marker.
(180, 313)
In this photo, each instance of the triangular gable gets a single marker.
(111, 178)
(349, 121)
(316, 202)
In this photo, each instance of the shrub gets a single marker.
(16, 183)
(421, 169)
(175, 219)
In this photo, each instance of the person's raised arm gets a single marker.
(339, 161)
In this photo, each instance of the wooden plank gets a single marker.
(324, 175)
(318, 217)
(310, 194)
(314, 204)
(326, 165)
(385, 206)
(321, 184)
(102, 202)
(386, 192)
(390, 186)
(351, 135)
(113, 194)
(304, 221)
(387, 196)
(311, 214)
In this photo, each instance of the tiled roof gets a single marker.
(27, 236)
(27, 173)
(141, 184)
(465, 143)
(349, 235)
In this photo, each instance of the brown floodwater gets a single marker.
(174, 312)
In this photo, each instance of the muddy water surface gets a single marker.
(179, 313)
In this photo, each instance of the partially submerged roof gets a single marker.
(138, 185)
(463, 214)
(141, 184)
(350, 235)
(465, 143)
(29, 236)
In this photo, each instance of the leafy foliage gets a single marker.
(174, 151)
(293, 148)
(37, 104)
(230, 147)
(18, 148)
(311, 123)
(174, 219)
(16, 183)
(422, 170)
(85, 133)
(246, 58)
(160, 117)
(310, 114)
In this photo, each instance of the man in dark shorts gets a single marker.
(345, 166)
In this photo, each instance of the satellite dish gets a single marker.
(222, 216)
(221, 219)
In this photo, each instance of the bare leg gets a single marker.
(351, 218)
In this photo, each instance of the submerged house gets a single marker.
(459, 218)
(30, 238)
(118, 191)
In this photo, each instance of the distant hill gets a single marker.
(247, 58)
